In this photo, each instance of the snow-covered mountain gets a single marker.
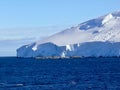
(96, 37)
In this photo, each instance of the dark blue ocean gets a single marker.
(61, 74)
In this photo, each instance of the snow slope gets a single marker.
(96, 37)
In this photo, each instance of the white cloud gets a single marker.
(18, 33)
(8, 47)
(11, 39)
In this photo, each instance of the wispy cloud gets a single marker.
(33, 32)
(13, 38)
(8, 47)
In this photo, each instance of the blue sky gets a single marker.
(46, 13)
(22, 20)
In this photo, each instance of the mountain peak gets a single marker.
(107, 18)
(98, 22)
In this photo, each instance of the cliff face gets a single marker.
(89, 49)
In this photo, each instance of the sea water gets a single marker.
(59, 74)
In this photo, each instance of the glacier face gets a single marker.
(88, 49)
(43, 50)
(96, 37)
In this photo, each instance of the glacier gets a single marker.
(93, 38)
(88, 49)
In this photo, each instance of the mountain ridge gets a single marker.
(102, 29)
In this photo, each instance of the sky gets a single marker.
(27, 20)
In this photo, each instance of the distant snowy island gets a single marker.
(99, 37)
